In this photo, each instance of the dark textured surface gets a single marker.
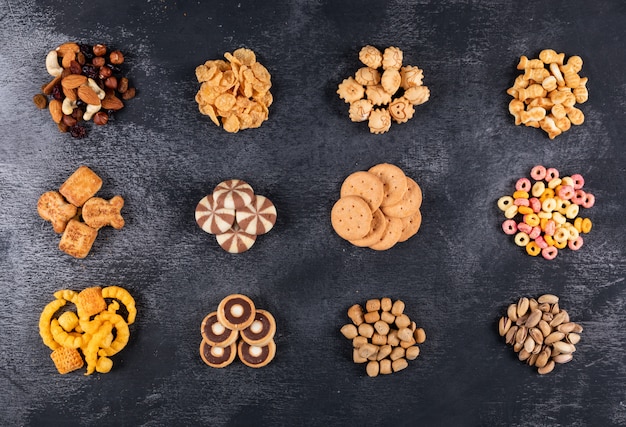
(456, 276)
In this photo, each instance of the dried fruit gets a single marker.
(40, 101)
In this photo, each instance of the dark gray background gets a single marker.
(457, 275)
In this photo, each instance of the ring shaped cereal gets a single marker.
(575, 244)
(561, 235)
(586, 225)
(551, 173)
(565, 192)
(549, 205)
(549, 253)
(579, 181)
(505, 202)
(523, 184)
(521, 239)
(589, 201)
(533, 249)
(509, 227)
(538, 173)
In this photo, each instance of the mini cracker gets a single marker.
(98, 212)
(394, 181)
(351, 217)
(90, 302)
(365, 185)
(410, 226)
(390, 237)
(66, 360)
(82, 185)
(409, 204)
(52, 207)
(377, 228)
(77, 239)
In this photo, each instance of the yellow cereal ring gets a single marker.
(510, 212)
(567, 180)
(572, 211)
(121, 294)
(578, 224)
(544, 214)
(553, 183)
(524, 210)
(586, 225)
(560, 245)
(520, 194)
(538, 188)
(531, 219)
(45, 320)
(549, 240)
(548, 204)
(521, 239)
(558, 218)
(547, 194)
(561, 235)
(505, 202)
(533, 249)
(67, 295)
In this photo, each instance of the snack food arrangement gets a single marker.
(384, 90)
(235, 215)
(78, 214)
(95, 329)
(378, 208)
(542, 214)
(383, 336)
(87, 85)
(238, 328)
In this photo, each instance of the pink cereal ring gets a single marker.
(536, 232)
(509, 227)
(579, 181)
(534, 204)
(565, 192)
(575, 244)
(522, 226)
(550, 227)
(579, 197)
(523, 184)
(541, 242)
(589, 201)
(521, 202)
(549, 253)
(551, 173)
(538, 173)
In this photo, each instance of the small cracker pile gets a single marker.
(236, 90)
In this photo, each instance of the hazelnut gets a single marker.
(105, 72)
(99, 50)
(111, 82)
(69, 120)
(98, 61)
(116, 57)
(122, 85)
(101, 118)
(129, 94)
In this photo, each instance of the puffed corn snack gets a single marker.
(546, 94)
(383, 91)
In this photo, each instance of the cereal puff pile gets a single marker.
(236, 90)
(238, 328)
(378, 208)
(383, 336)
(546, 94)
(383, 90)
(543, 214)
(75, 201)
(541, 332)
(235, 215)
(87, 85)
(95, 329)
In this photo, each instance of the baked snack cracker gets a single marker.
(377, 229)
(66, 360)
(409, 204)
(410, 226)
(77, 239)
(394, 181)
(82, 185)
(365, 185)
(390, 237)
(351, 217)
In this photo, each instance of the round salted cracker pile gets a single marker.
(235, 215)
(378, 208)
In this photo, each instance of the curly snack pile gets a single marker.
(378, 208)
(383, 90)
(75, 201)
(95, 329)
(235, 215)
(546, 94)
(383, 336)
(238, 328)
(87, 85)
(237, 90)
(540, 332)
(539, 212)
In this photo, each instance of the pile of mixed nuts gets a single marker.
(87, 85)
(540, 332)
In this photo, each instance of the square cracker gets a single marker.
(66, 359)
(77, 239)
(90, 302)
(82, 185)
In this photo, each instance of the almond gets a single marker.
(88, 96)
(70, 93)
(66, 48)
(111, 102)
(47, 89)
(72, 81)
(55, 110)
(67, 59)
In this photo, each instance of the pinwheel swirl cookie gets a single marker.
(235, 215)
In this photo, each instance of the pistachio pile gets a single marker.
(540, 332)
(87, 85)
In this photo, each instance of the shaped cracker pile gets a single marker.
(95, 328)
(236, 90)
(75, 200)
(383, 90)
(546, 94)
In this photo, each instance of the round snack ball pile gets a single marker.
(235, 215)
(539, 212)
(540, 332)
(87, 85)
(546, 94)
(238, 328)
(383, 336)
(383, 90)
(378, 208)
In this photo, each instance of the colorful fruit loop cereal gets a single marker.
(546, 94)
(542, 213)
(383, 90)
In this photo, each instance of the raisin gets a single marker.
(78, 131)
(86, 50)
(90, 71)
(57, 92)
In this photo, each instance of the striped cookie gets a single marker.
(212, 219)
(258, 217)
(233, 194)
(235, 240)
